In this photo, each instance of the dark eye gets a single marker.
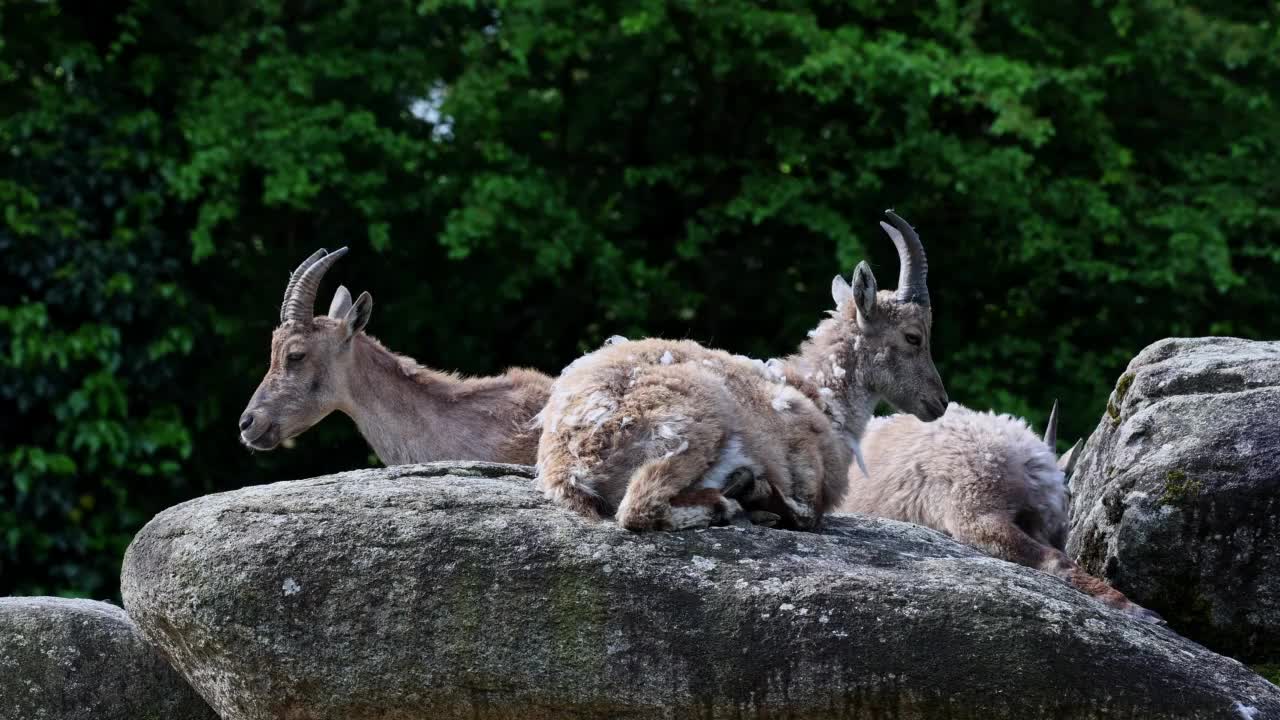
(913, 338)
(295, 357)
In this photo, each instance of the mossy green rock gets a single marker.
(1175, 497)
(456, 591)
(64, 659)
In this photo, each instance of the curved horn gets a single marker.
(1051, 429)
(293, 279)
(914, 267)
(300, 307)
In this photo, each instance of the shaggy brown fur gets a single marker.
(644, 428)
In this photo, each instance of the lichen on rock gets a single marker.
(1175, 501)
(430, 593)
(66, 659)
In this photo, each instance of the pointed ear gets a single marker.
(341, 303)
(841, 292)
(358, 315)
(1067, 463)
(864, 290)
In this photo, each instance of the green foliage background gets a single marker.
(518, 181)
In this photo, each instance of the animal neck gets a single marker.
(410, 413)
(828, 368)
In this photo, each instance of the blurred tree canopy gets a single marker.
(518, 181)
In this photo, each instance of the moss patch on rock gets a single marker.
(1117, 396)
(1180, 490)
(1269, 671)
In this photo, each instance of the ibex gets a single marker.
(407, 413)
(986, 480)
(673, 435)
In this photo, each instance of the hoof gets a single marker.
(728, 512)
(738, 482)
(764, 518)
(744, 486)
(692, 517)
(725, 511)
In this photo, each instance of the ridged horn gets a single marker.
(913, 273)
(1051, 429)
(297, 273)
(299, 306)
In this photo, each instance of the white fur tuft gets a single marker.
(732, 457)
(777, 371)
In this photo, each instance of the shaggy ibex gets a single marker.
(985, 479)
(674, 435)
(406, 412)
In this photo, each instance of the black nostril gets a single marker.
(246, 421)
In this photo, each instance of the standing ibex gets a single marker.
(666, 432)
(985, 479)
(406, 412)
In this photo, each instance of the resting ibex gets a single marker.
(644, 427)
(407, 413)
(985, 479)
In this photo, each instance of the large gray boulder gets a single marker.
(66, 659)
(437, 592)
(1175, 496)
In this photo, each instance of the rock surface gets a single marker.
(437, 592)
(1175, 495)
(66, 659)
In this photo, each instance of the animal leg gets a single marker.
(802, 496)
(704, 507)
(761, 501)
(746, 486)
(1001, 537)
(719, 507)
(647, 504)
